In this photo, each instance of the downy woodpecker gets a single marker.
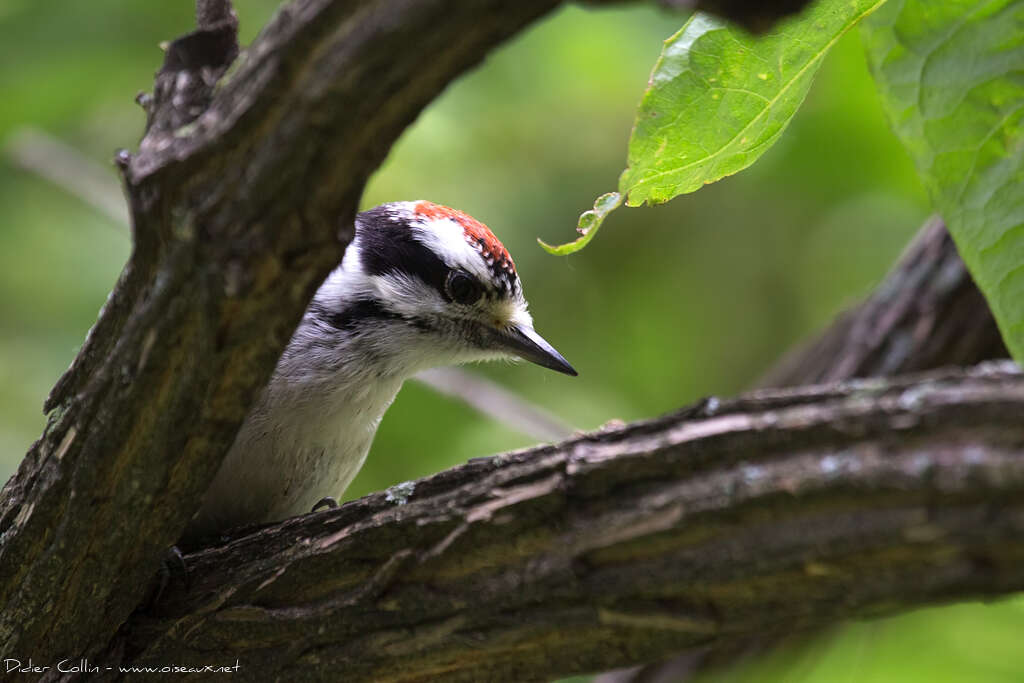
(421, 285)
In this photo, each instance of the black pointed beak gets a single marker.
(522, 341)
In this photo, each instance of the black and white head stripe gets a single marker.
(387, 246)
(451, 229)
(428, 242)
(422, 285)
(352, 315)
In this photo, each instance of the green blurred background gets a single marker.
(667, 305)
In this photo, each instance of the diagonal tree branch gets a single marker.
(495, 401)
(776, 512)
(54, 160)
(241, 196)
(927, 313)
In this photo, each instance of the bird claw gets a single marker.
(173, 563)
(326, 502)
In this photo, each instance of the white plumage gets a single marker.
(420, 286)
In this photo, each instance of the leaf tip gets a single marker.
(587, 225)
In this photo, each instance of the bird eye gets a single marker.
(462, 287)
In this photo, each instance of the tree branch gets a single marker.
(242, 197)
(69, 170)
(496, 402)
(776, 512)
(54, 160)
(926, 314)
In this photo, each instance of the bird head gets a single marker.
(423, 285)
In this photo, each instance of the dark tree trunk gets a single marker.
(796, 507)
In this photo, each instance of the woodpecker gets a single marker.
(421, 285)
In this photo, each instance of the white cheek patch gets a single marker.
(346, 282)
(407, 295)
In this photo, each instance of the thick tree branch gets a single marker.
(242, 196)
(926, 314)
(776, 512)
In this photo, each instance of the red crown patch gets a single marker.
(477, 234)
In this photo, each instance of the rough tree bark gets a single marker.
(242, 196)
(928, 313)
(779, 511)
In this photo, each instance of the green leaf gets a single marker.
(587, 226)
(719, 98)
(951, 77)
